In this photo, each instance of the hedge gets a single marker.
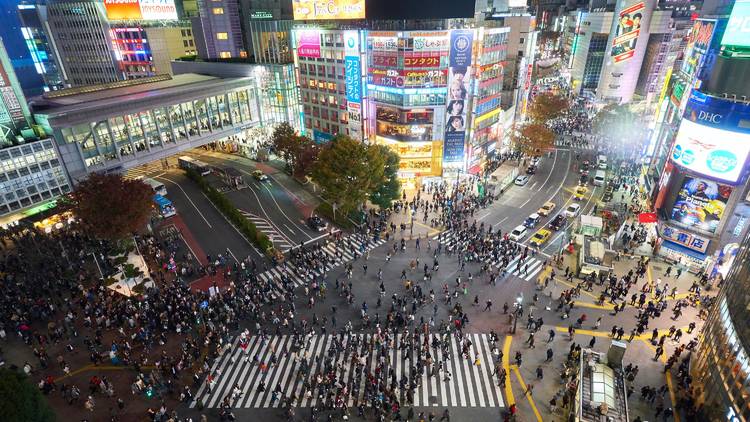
(246, 227)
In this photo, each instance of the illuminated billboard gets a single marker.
(627, 31)
(737, 33)
(716, 153)
(459, 85)
(700, 204)
(118, 10)
(308, 44)
(699, 39)
(328, 9)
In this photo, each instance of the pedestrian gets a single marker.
(446, 416)
(539, 373)
(488, 306)
(550, 353)
(592, 342)
(553, 404)
(529, 390)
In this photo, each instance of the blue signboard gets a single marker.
(321, 137)
(461, 43)
(353, 80)
(721, 113)
(453, 147)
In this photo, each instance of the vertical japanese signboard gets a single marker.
(459, 83)
(353, 80)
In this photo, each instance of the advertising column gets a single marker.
(353, 80)
(459, 86)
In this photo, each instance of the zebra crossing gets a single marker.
(339, 253)
(280, 241)
(564, 143)
(527, 270)
(465, 381)
(145, 170)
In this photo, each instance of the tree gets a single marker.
(533, 138)
(389, 188)
(547, 106)
(283, 141)
(305, 156)
(347, 171)
(23, 400)
(111, 207)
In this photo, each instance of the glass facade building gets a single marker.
(721, 362)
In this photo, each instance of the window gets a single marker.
(221, 36)
(218, 10)
(225, 55)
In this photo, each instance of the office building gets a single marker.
(10, 31)
(14, 111)
(218, 31)
(330, 81)
(34, 27)
(81, 35)
(145, 49)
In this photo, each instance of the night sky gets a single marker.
(419, 9)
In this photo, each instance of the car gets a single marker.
(532, 220)
(531, 169)
(585, 168)
(316, 223)
(540, 237)
(518, 233)
(602, 166)
(583, 180)
(580, 193)
(546, 209)
(521, 180)
(572, 210)
(558, 222)
(535, 161)
(259, 176)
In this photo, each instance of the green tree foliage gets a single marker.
(111, 207)
(299, 152)
(390, 187)
(615, 119)
(547, 106)
(348, 171)
(20, 400)
(533, 138)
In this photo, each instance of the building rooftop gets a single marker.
(602, 390)
(89, 104)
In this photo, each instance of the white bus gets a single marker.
(158, 187)
(186, 162)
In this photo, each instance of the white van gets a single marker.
(518, 233)
(600, 177)
(602, 159)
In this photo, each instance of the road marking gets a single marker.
(233, 256)
(498, 223)
(550, 172)
(233, 226)
(191, 201)
(532, 185)
(524, 204)
(483, 217)
(289, 228)
(506, 365)
(528, 396)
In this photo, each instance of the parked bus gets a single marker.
(158, 187)
(166, 209)
(186, 162)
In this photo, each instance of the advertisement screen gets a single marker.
(140, 10)
(699, 39)
(458, 89)
(308, 44)
(628, 28)
(700, 204)
(328, 9)
(353, 79)
(738, 28)
(712, 152)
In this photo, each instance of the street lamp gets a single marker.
(517, 312)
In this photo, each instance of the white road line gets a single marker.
(188, 198)
(499, 222)
(550, 172)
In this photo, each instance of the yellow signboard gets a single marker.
(328, 9)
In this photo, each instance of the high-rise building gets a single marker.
(14, 111)
(145, 49)
(15, 44)
(81, 36)
(218, 31)
(34, 27)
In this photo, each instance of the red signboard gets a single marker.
(422, 59)
(647, 217)
(384, 60)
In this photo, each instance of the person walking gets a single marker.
(488, 306)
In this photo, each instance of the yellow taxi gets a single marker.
(580, 193)
(546, 209)
(540, 237)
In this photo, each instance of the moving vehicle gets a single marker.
(583, 180)
(187, 163)
(558, 222)
(585, 167)
(521, 180)
(600, 177)
(259, 176)
(500, 179)
(532, 220)
(518, 233)
(601, 162)
(580, 193)
(316, 223)
(164, 205)
(531, 169)
(158, 187)
(573, 210)
(541, 237)
(546, 209)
